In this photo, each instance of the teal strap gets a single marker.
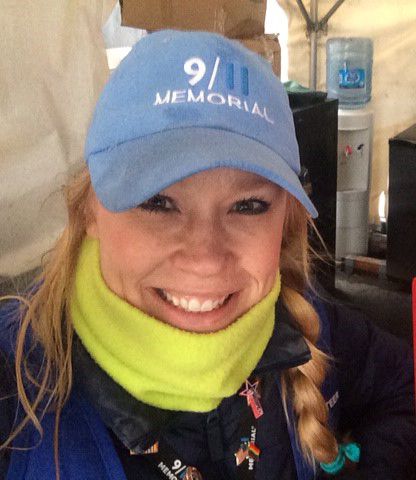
(335, 466)
(351, 451)
(348, 450)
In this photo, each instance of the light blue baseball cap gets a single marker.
(184, 102)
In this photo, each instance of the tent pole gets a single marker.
(313, 39)
(314, 26)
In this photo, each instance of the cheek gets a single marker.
(269, 256)
(263, 255)
(129, 250)
(113, 261)
(120, 250)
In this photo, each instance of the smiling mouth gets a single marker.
(193, 304)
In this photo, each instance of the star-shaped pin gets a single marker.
(253, 398)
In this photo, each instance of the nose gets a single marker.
(206, 248)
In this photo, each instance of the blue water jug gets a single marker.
(349, 63)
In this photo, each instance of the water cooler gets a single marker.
(348, 78)
(353, 181)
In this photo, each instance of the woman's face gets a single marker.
(200, 253)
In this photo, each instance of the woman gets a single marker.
(173, 332)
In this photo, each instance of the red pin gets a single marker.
(253, 398)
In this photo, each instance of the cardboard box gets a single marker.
(268, 47)
(232, 18)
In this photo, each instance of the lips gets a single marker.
(190, 303)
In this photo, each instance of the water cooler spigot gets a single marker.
(347, 151)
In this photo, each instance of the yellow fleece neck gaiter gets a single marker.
(159, 364)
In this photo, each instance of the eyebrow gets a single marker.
(252, 182)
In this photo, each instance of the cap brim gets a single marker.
(127, 175)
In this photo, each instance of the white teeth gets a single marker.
(193, 304)
(207, 306)
(175, 300)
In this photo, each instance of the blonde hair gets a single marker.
(302, 383)
(45, 313)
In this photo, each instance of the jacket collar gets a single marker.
(286, 348)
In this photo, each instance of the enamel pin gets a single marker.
(191, 473)
(253, 398)
(247, 450)
(153, 449)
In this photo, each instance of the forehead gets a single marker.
(223, 178)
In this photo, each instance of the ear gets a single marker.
(91, 207)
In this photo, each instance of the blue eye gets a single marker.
(159, 203)
(250, 206)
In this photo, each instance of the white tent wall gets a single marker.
(53, 65)
(392, 27)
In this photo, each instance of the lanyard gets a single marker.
(168, 465)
